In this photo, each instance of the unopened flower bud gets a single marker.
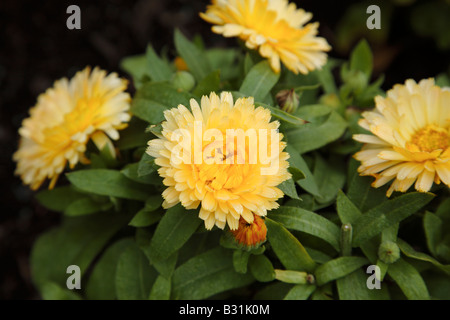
(183, 81)
(288, 100)
(388, 252)
(330, 99)
(250, 235)
(180, 64)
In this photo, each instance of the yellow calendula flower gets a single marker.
(411, 141)
(92, 105)
(274, 27)
(223, 156)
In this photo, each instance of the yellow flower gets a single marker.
(92, 105)
(201, 162)
(275, 27)
(411, 141)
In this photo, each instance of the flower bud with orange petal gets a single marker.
(250, 234)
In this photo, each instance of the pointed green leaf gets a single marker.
(259, 81)
(347, 211)
(309, 222)
(161, 289)
(261, 268)
(354, 287)
(195, 58)
(175, 228)
(409, 280)
(108, 183)
(361, 58)
(338, 268)
(76, 242)
(207, 274)
(101, 284)
(288, 249)
(300, 292)
(158, 69)
(211, 83)
(134, 275)
(387, 214)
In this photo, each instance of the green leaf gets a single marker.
(347, 211)
(131, 172)
(134, 275)
(86, 206)
(409, 280)
(161, 289)
(76, 242)
(288, 249)
(282, 115)
(313, 136)
(354, 287)
(146, 165)
(411, 253)
(240, 260)
(300, 292)
(175, 228)
(309, 183)
(296, 173)
(101, 284)
(309, 222)
(329, 177)
(59, 198)
(326, 78)
(166, 266)
(195, 58)
(443, 211)
(148, 110)
(211, 83)
(261, 268)
(387, 214)
(159, 69)
(225, 59)
(148, 215)
(433, 231)
(361, 58)
(134, 136)
(207, 274)
(53, 291)
(164, 94)
(108, 183)
(259, 81)
(338, 268)
(360, 191)
(274, 291)
(135, 66)
(288, 188)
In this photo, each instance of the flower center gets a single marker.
(431, 138)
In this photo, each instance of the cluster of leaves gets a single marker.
(330, 227)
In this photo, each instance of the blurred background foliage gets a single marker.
(36, 48)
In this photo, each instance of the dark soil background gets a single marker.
(36, 48)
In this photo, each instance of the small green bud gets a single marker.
(356, 80)
(330, 99)
(290, 276)
(183, 81)
(288, 100)
(388, 252)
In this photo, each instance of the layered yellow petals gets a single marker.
(274, 27)
(92, 105)
(411, 141)
(226, 180)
